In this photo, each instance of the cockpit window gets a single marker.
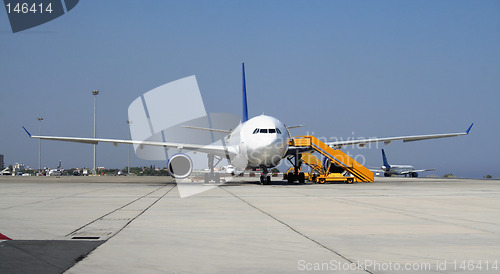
(266, 130)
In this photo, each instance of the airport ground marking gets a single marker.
(146, 209)
(117, 209)
(53, 199)
(293, 229)
(416, 214)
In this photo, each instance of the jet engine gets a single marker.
(180, 166)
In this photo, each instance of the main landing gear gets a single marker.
(292, 176)
(212, 177)
(295, 175)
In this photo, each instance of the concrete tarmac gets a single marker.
(141, 225)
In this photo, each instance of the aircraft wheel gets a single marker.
(268, 181)
(302, 178)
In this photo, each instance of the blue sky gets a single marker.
(342, 68)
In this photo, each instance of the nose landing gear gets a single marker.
(264, 178)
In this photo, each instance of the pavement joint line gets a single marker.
(294, 230)
(415, 214)
(407, 212)
(103, 216)
(142, 212)
(131, 220)
(57, 198)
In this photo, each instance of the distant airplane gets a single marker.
(56, 171)
(260, 142)
(229, 169)
(405, 170)
(6, 171)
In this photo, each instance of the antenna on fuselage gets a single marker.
(245, 108)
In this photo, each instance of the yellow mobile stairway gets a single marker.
(340, 159)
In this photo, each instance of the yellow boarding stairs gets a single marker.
(338, 158)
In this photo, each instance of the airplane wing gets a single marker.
(416, 170)
(210, 149)
(387, 140)
(208, 129)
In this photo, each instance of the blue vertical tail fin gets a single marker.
(385, 159)
(245, 108)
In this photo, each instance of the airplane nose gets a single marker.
(274, 149)
(274, 144)
(268, 152)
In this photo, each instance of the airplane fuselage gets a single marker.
(397, 169)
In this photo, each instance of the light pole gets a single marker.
(40, 119)
(129, 123)
(95, 93)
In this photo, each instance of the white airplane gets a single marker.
(229, 169)
(405, 170)
(259, 142)
(6, 171)
(56, 171)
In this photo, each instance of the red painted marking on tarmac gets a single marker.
(3, 237)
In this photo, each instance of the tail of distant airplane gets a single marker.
(386, 163)
(245, 109)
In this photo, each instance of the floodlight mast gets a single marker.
(128, 171)
(40, 119)
(95, 93)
